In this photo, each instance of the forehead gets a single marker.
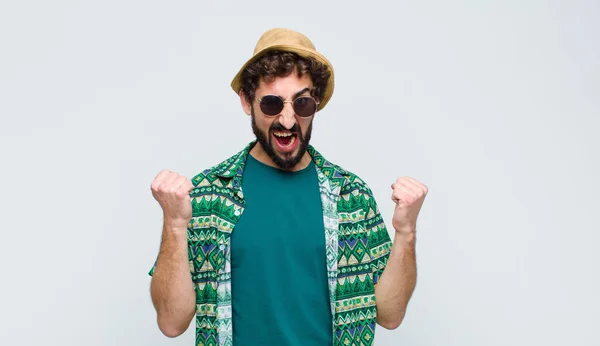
(286, 86)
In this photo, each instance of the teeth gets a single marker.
(282, 134)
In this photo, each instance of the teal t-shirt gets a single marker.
(278, 270)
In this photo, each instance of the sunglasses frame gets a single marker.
(259, 99)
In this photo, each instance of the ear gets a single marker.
(246, 106)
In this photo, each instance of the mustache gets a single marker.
(279, 127)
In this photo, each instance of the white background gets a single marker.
(492, 104)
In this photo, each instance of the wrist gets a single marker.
(406, 235)
(406, 229)
(174, 225)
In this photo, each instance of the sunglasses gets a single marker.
(304, 106)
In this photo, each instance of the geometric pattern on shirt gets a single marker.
(357, 248)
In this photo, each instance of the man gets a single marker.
(276, 245)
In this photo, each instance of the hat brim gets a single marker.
(236, 83)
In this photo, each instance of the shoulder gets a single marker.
(353, 182)
(356, 199)
(350, 182)
(225, 169)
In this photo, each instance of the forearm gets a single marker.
(172, 289)
(397, 283)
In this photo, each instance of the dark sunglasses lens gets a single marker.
(271, 105)
(305, 106)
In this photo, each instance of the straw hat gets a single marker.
(291, 41)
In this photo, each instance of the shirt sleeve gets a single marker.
(151, 272)
(380, 243)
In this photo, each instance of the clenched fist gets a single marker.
(172, 191)
(408, 194)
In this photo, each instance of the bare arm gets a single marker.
(397, 283)
(172, 289)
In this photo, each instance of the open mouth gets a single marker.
(285, 140)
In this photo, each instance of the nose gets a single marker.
(287, 118)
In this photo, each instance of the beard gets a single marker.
(265, 139)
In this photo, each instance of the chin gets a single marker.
(286, 160)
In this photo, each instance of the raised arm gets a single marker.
(171, 288)
(398, 281)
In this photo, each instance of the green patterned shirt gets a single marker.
(357, 249)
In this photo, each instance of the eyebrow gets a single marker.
(301, 92)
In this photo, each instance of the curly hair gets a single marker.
(281, 64)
